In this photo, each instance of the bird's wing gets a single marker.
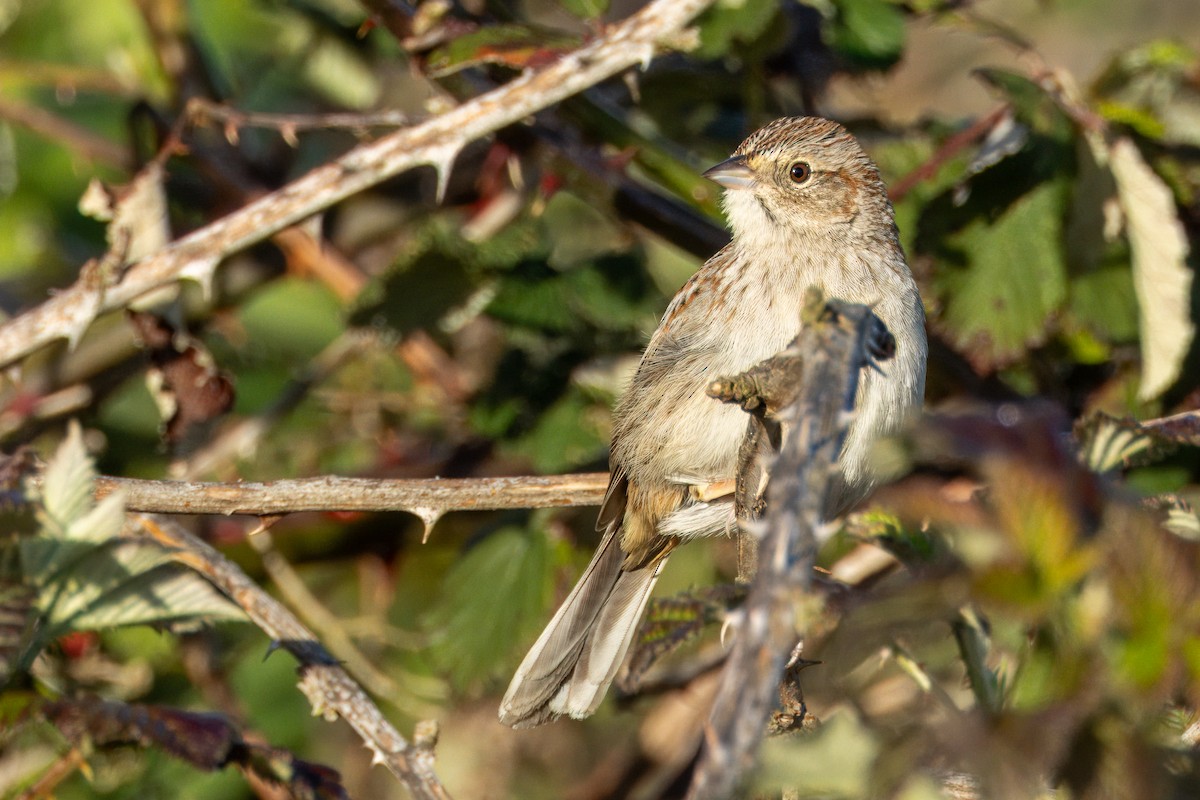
(612, 508)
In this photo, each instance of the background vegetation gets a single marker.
(1035, 625)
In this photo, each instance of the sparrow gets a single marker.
(806, 207)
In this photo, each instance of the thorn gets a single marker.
(442, 160)
(81, 314)
(797, 652)
(429, 517)
(288, 132)
(646, 55)
(201, 271)
(730, 622)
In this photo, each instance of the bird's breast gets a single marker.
(668, 428)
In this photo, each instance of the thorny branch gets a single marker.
(813, 406)
(434, 142)
(426, 498)
(329, 688)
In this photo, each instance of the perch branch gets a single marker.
(328, 687)
(829, 353)
(434, 142)
(331, 493)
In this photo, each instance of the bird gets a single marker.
(806, 207)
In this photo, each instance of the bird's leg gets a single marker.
(707, 492)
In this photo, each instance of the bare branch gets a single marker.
(434, 142)
(328, 687)
(201, 110)
(406, 691)
(826, 359)
(90, 145)
(954, 145)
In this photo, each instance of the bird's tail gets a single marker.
(569, 668)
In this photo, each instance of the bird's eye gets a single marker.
(799, 172)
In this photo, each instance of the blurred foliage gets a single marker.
(1037, 626)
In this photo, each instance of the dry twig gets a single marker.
(329, 688)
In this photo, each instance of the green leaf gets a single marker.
(497, 590)
(1035, 108)
(292, 318)
(335, 69)
(577, 231)
(727, 22)
(609, 294)
(587, 9)
(868, 32)
(1151, 88)
(535, 301)
(167, 594)
(1105, 302)
(17, 607)
(1010, 278)
(572, 432)
(835, 761)
(517, 46)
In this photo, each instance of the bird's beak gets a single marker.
(732, 173)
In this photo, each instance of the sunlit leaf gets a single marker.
(1161, 276)
(88, 576)
(1107, 442)
(67, 483)
(1151, 89)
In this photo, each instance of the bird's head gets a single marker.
(801, 175)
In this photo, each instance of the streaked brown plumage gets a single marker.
(807, 207)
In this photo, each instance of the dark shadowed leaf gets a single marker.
(1010, 281)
